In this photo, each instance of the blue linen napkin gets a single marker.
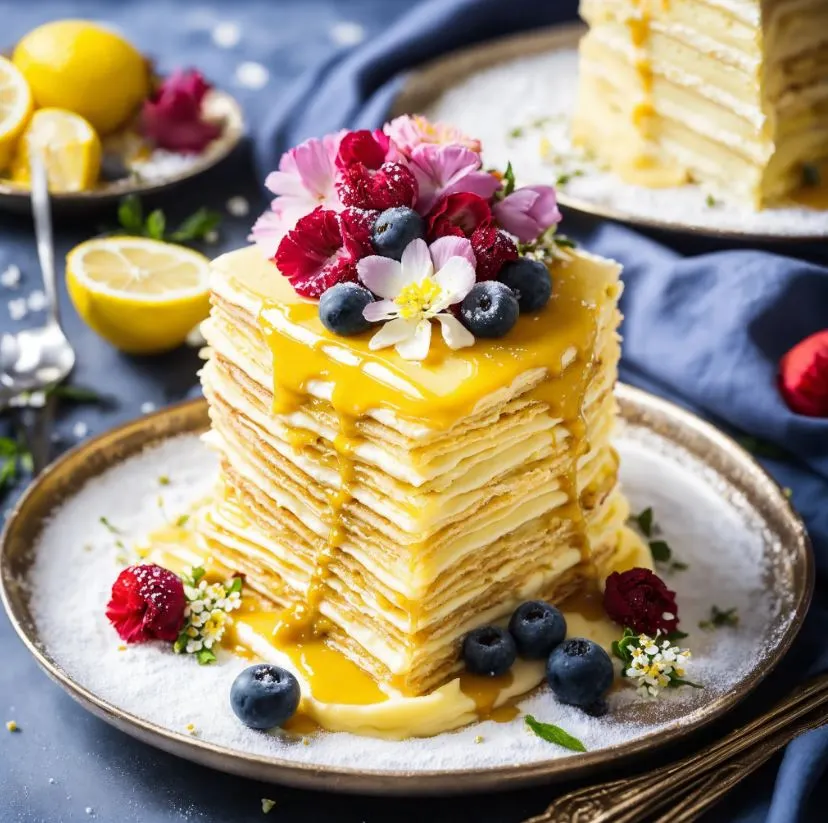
(706, 331)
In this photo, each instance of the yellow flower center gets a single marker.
(417, 298)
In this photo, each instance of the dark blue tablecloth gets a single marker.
(705, 330)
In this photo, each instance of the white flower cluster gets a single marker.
(656, 665)
(206, 614)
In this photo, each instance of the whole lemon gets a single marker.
(84, 68)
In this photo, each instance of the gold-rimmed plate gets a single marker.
(219, 106)
(664, 447)
(516, 94)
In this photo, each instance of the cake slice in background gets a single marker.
(732, 94)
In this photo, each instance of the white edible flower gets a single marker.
(417, 289)
(655, 665)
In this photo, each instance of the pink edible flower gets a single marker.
(172, 116)
(304, 181)
(444, 170)
(410, 131)
(528, 212)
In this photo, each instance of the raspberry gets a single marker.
(640, 600)
(147, 603)
(323, 249)
(492, 248)
(386, 187)
(803, 377)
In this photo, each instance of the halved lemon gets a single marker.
(70, 146)
(15, 109)
(142, 295)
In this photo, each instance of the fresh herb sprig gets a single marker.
(132, 221)
(720, 618)
(653, 662)
(554, 734)
(660, 548)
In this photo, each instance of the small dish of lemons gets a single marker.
(73, 89)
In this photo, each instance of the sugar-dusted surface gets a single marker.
(78, 558)
(536, 96)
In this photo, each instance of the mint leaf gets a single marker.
(719, 618)
(156, 224)
(131, 215)
(508, 180)
(676, 635)
(661, 551)
(196, 226)
(554, 734)
(74, 394)
(645, 521)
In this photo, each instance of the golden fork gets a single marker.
(693, 784)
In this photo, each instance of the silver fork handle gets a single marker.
(42, 212)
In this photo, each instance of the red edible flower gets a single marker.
(365, 188)
(457, 214)
(803, 376)
(172, 116)
(323, 249)
(369, 148)
(492, 248)
(639, 599)
(147, 603)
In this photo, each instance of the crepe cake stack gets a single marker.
(390, 506)
(730, 93)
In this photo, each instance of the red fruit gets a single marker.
(364, 188)
(492, 248)
(803, 376)
(147, 603)
(457, 214)
(172, 116)
(323, 249)
(639, 599)
(368, 148)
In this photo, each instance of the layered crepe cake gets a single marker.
(388, 492)
(393, 506)
(730, 93)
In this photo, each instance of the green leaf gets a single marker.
(235, 586)
(182, 520)
(131, 215)
(108, 526)
(562, 180)
(156, 224)
(645, 521)
(661, 551)
(8, 472)
(205, 657)
(181, 643)
(74, 394)
(554, 734)
(516, 132)
(719, 618)
(27, 461)
(508, 180)
(163, 480)
(197, 574)
(710, 200)
(565, 242)
(675, 682)
(675, 636)
(196, 226)
(762, 448)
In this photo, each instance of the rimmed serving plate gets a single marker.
(673, 459)
(516, 94)
(219, 106)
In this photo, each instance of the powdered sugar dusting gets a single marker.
(722, 541)
(533, 132)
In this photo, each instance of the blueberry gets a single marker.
(490, 309)
(529, 280)
(340, 308)
(395, 229)
(537, 628)
(489, 650)
(579, 672)
(264, 696)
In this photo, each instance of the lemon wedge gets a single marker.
(71, 150)
(85, 68)
(15, 109)
(142, 295)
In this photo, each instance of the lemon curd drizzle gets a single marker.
(556, 344)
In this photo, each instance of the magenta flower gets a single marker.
(444, 170)
(528, 212)
(410, 131)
